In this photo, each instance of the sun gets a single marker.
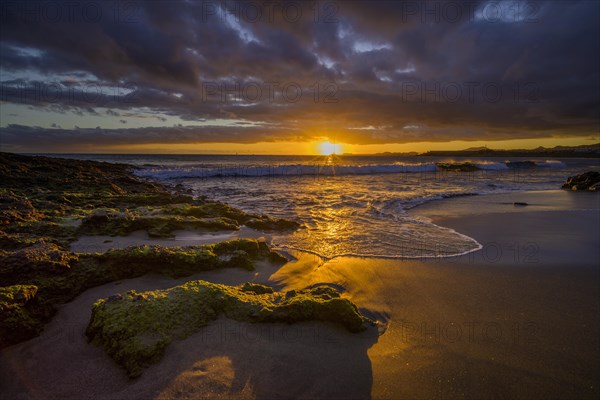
(328, 148)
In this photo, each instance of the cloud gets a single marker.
(460, 73)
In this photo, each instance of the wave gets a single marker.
(210, 171)
(550, 163)
(412, 203)
(534, 164)
(490, 165)
(437, 242)
(284, 170)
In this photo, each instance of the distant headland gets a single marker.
(584, 151)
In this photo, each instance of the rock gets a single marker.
(24, 293)
(122, 328)
(117, 189)
(47, 202)
(115, 297)
(34, 262)
(99, 217)
(586, 181)
(181, 261)
(264, 223)
(256, 288)
(16, 208)
(237, 258)
(21, 316)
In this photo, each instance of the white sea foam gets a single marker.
(211, 170)
(550, 163)
(359, 207)
(490, 165)
(283, 170)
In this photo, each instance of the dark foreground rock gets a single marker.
(47, 202)
(22, 313)
(53, 276)
(64, 199)
(135, 328)
(589, 181)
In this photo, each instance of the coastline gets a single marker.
(460, 327)
(553, 227)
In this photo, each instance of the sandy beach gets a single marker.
(517, 319)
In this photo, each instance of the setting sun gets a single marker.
(328, 148)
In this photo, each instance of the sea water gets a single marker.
(353, 205)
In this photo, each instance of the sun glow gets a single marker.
(328, 148)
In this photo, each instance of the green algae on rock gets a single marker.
(20, 313)
(60, 275)
(47, 202)
(39, 259)
(155, 225)
(135, 328)
(182, 261)
(38, 194)
(216, 209)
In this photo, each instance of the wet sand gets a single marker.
(517, 319)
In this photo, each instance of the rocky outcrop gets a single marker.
(45, 194)
(22, 314)
(47, 202)
(589, 181)
(58, 276)
(135, 328)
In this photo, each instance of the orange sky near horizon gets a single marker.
(315, 147)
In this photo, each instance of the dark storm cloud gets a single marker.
(457, 70)
(20, 137)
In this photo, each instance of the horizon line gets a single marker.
(400, 153)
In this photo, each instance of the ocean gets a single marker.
(353, 205)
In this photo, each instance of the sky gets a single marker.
(282, 77)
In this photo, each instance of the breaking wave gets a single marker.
(209, 171)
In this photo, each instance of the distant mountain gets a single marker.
(482, 148)
(592, 150)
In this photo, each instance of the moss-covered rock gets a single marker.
(135, 328)
(23, 265)
(20, 314)
(37, 194)
(182, 261)
(15, 208)
(156, 226)
(59, 275)
(47, 202)
(256, 288)
(265, 223)
(215, 209)
(10, 241)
